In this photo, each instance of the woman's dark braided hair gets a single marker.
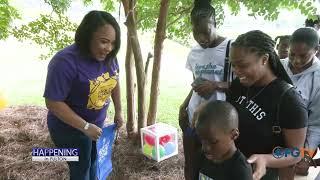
(258, 42)
(202, 9)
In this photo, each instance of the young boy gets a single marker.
(217, 128)
(282, 46)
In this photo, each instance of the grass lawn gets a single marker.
(25, 92)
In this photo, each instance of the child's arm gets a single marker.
(185, 103)
(183, 114)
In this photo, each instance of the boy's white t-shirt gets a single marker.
(209, 64)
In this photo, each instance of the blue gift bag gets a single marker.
(104, 151)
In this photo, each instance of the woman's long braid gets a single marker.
(261, 43)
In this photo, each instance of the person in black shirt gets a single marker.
(217, 128)
(271, 112)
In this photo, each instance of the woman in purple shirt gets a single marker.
(80, 81)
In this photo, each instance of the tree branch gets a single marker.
(180, 17)
(180, 11)
(147, 63)
(176, 20)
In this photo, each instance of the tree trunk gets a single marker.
(132, 29)
(130, 83)
(158, 42)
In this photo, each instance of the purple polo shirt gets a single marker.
(83, 83)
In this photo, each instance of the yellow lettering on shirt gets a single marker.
(100, 90)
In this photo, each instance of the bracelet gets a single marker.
(86, 127)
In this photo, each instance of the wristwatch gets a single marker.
(86, 127)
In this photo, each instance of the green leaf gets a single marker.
(47, 31)
(108, 5)
(7, 14)
(59, 6)
(178, 20)
(87, 2)
(309, 4)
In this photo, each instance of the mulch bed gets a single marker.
(24, 127)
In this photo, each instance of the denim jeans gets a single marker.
(85, 168)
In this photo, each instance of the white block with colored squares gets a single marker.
(159, 141)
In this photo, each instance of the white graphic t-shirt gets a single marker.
(209, 64)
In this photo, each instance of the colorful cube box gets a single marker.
(159, 141)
